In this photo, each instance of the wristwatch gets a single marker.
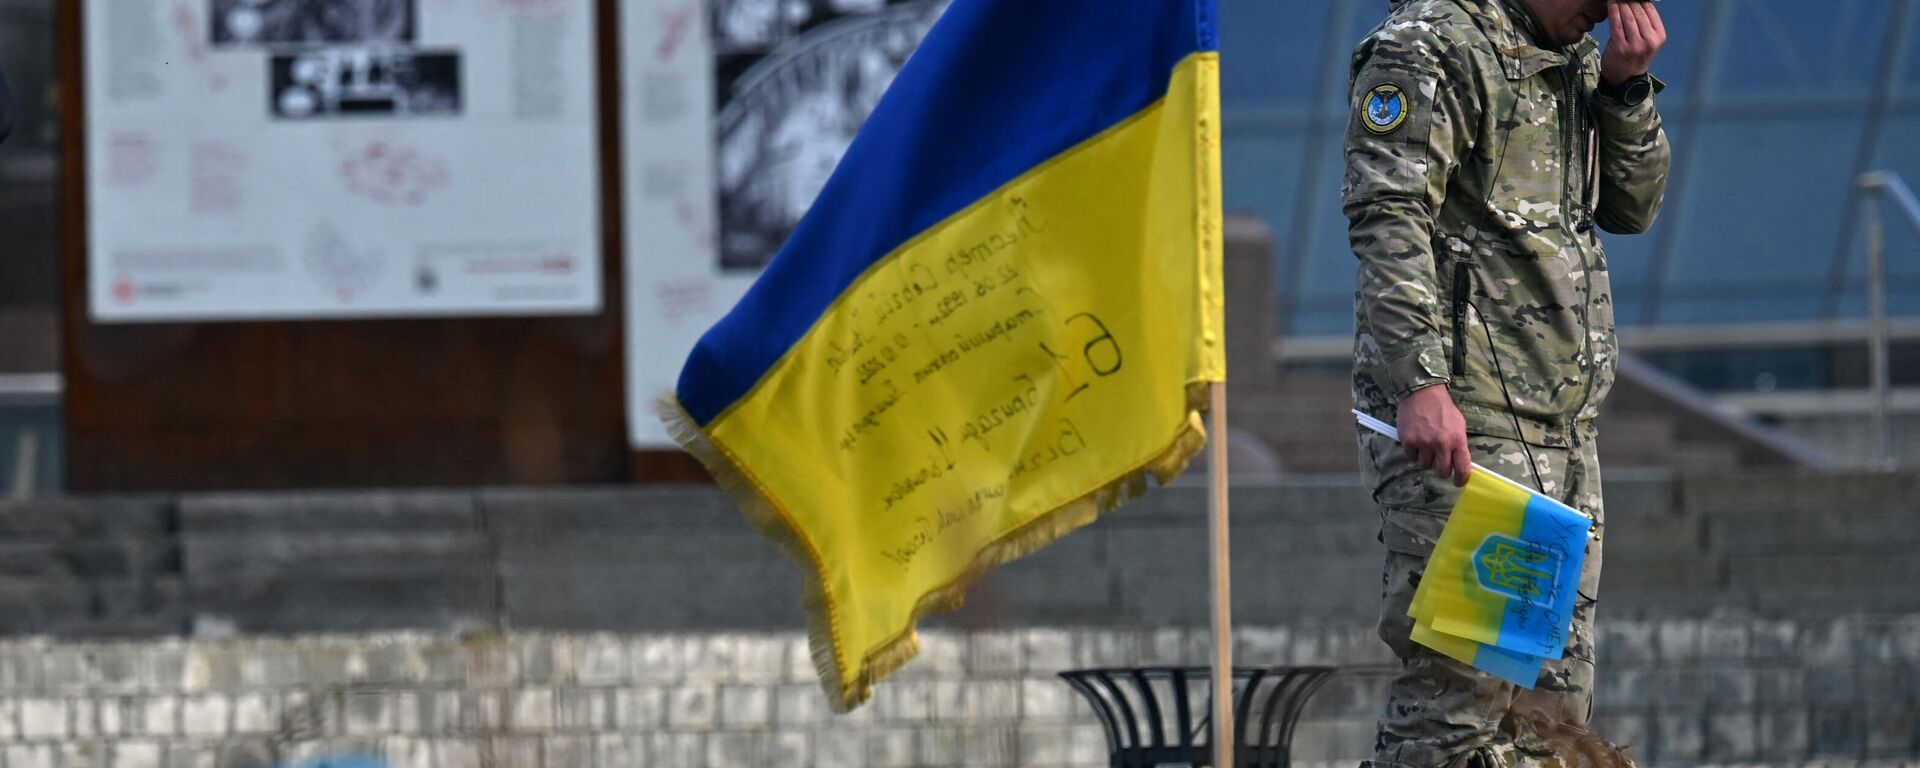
(1631, 92)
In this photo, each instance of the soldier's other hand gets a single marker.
(1636, 36)
(1434, 434)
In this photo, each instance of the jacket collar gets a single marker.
(1511, 26)
(1525, 22)
(1515, 34)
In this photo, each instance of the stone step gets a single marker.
(1630, 439)
(1739, 493)
(88, 517)
(1788, 583)
(328, 511)
(1701, 456)
(1627, 571)
(1318, 388)
(88, 558)
(1867, 533)
(1656, 537)
(39, 605)
(1287, 417)
(346, 552)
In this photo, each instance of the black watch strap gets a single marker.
(1630, 92)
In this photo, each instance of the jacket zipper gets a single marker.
(1570, 112)
(1462, 291)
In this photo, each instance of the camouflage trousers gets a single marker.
(1441, 712)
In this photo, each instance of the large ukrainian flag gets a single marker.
(997, 320)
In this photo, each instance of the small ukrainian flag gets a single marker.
(1502, 581)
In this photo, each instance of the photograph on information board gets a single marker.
(795, 82)
(344, 159)
(365, 81)
(273, 22)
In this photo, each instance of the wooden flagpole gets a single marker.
(1223, 731)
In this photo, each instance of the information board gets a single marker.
(300, 159)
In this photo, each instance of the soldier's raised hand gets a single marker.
(1636, 37)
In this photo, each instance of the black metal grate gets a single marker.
(1159, 717)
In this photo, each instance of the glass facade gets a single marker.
(1774, 108)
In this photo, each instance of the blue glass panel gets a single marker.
(1329, 255)
(1898, 152)
(1262, 178)
(1262, 172)
(1324, 315)
(1709, 303)
(1750, 370)
(1799, 49)
(1686, 29)
(1765, 203)
(1903, 300)
(1630, 257)
(1910, 79)
(1679, 128)
(1629, 265)
(1899, 147)
(1361, 17)
(1270, 52)
(1630, 303)
(1903, 274)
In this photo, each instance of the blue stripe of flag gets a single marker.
(1549, 523)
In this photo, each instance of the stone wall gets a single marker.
(1746, 618)
(1682, 691)
(664, 559)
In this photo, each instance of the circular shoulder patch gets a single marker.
(1384, 109)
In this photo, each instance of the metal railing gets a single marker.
(1878, 186)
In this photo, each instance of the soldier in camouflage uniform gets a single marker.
(1488, 138)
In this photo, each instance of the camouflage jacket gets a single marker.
(1478, 164)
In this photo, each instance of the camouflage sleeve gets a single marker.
(1412, 112)
(1634, 159)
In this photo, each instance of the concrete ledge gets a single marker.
(1764, 544)
(388, 510)
(337, 561)
(87, 517)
